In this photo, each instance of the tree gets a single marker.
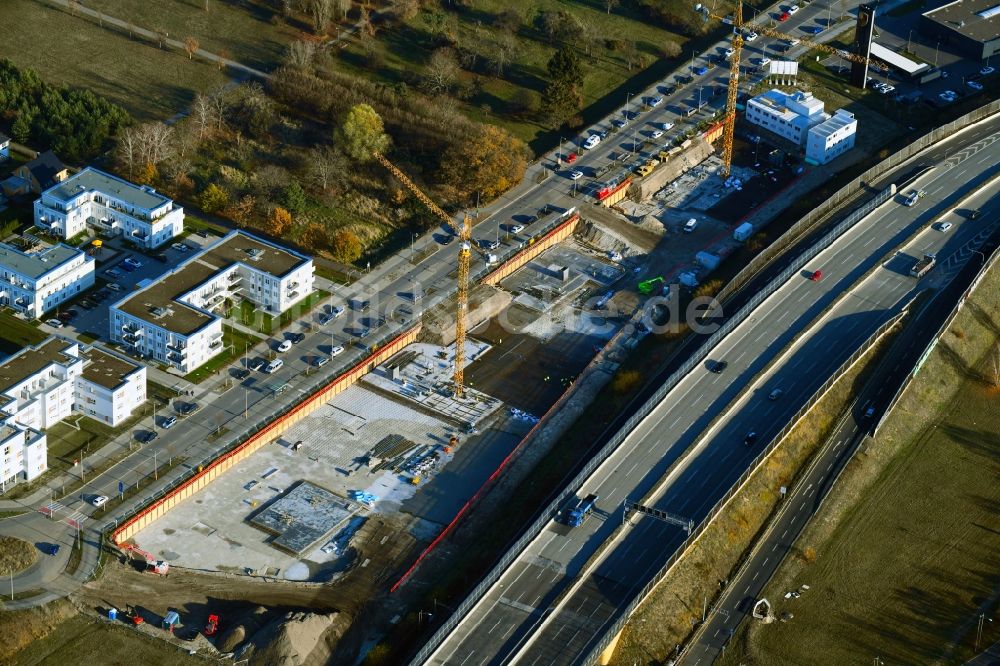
(147, 174)
(241, 211)
(161, 35)
(509, 20)
(346, 246)
(563, 96)
(278, 222)
(565, 66)
(502, 52)
(325, 164)
(223, 55)
(489, 162)
(301, 54)
(213, 199)
(342, 7)
(191, 45)
(314, 238)
(294, 197)
(442, 71)
(404, 10)
(21, 128)
(202, 115)
(610, 4)
(362, 133)
(321, 11)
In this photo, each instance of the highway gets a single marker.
(804, 500)
(548, 608)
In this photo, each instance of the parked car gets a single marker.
(257, 364)
(113, 272)
(296, 338)
(336, 351)
(241, 373)
(126, 267)
(133, 262)
(146, 436)
(793, 9)
(87, 304)
(784, 16)
(51, 549)
(690, 225)
(944, 226)
(751, 36)
(516, 228)
(986, 71)
(657, 134)
(168, 422)
(730, 51)
(161, 257)
(99, 500)
(764, 62)
(284, 346)
(180, 247)
(574, 175)
(188, 408)
(813, 29)
(337, 311)
(591, 141)
(273, 366)
(975, 85)
(699, 70)
(114, 286)
(54, 323)
(655, 101)
(320, 361)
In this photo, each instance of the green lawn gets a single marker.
(16, 334)
(267, 324)
(148, 82)
(234, 343)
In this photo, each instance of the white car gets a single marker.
(591, 141)
(180, 247)
(336, 351)
(99, 501)
(730, 51)
(114, 286)
(133, 262)
(690, 225)
(667, 126)
(576, 175)
(793, 42)
(657, 134)
(986, 71)
(54, 323)
(516, 228)
(285, 346)
(655, 101)
(945, 97)
(944, 226)
(764, 62)
(751, 36)
(793, 9)
(975, 85)
(620, 123)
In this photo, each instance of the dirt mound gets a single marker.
(295, 639)
(15, 555)
(246, 624)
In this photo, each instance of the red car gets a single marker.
(571, 158)
(816, 276)
(784, 16)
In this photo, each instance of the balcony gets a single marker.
(177, 349)
(234, 277)
(174, 357)
(131, 339)
(215, 344)
(139, 234)
(293, 285)
(131, 328)
(292, 295)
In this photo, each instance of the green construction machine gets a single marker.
(651, 285)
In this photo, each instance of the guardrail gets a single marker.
(696, 358)
(847, 192)
(624, 614)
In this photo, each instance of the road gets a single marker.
(805, 499)
(548, 608)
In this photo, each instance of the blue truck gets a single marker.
(578, 514)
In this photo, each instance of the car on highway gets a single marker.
(944, 226)
(690, 225)
(975, 85)
(99, 500)
(986, 71)
(793, 9)
(516, 228)
(320, 361)
(869, 410)
(336, 351)
(146, 436)
(575, 175)
(750, 438)
(775, 394)
(655, 101)
(912, 198)
(168, 422)
(718, 367)
(54, 323)
(699, 70)
(784, 16)
(284, 346)
(657, 134)
(296, 338)
(591, 141)
(816, 276)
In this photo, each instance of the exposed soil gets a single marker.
(15, 555)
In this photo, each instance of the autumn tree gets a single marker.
(362, 133)
(278, 222)
(242, 211)
(314, 238)
(213, 198)
(670, 49)
(346, 246)
(301, 54)
(149, 143)
(489, 162)
(190, 46)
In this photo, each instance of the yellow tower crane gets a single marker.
(734, 70)
(464, 233)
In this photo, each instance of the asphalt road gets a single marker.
(805, 499)
(546, 609)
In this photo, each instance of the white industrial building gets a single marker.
(35, 282)
(832, 137)
(111, 206)
(178, 319)
(42, 385)
(800, 118)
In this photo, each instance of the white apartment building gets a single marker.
(41, 385)
(109, 205)
(789, 116)
(178, 319)
(34, 282)
(832, 137)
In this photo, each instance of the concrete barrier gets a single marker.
(557, 235)
(265, 435)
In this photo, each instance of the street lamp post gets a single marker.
(908, 41)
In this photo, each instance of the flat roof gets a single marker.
(184, 319)
(839, 120)
(105, 369)
(36, 264)
(32, 360)
(978, 19)
(91, 179)
(899, 62)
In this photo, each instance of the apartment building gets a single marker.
(33, 283)
(832, 137)
(42, 385)
(178, 319)
(110, 206)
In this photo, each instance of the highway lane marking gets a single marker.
(494, 626)
(765, 561)
(775, 546)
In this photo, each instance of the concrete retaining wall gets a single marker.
(557, 235)
(264, 436)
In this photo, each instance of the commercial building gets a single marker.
(971, 27)
(832, 137)
(35, 282)
(800, 118)
(42, 385)
(111, 206)
(178, 319)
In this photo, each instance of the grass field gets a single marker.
(908, 550)
(404, 50)
(72, 51)
(234, 343)
(15, 334)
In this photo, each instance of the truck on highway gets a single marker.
(923, 266)
(576, 515)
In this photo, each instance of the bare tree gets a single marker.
(130, 27)
(202, 115)
(502, 52)
(670, 49)
(191, 45)
(442, 71)
(127, 150)
(325, 164)
(301, 54)
(342, 7)
(219, 106)
(610, 4)
(365, 26)
(404, 10)
(321, 12)
(223, 56)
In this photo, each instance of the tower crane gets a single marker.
(734, 69)
(464, 233)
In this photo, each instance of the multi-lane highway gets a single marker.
(805, 498)
(556, 601)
